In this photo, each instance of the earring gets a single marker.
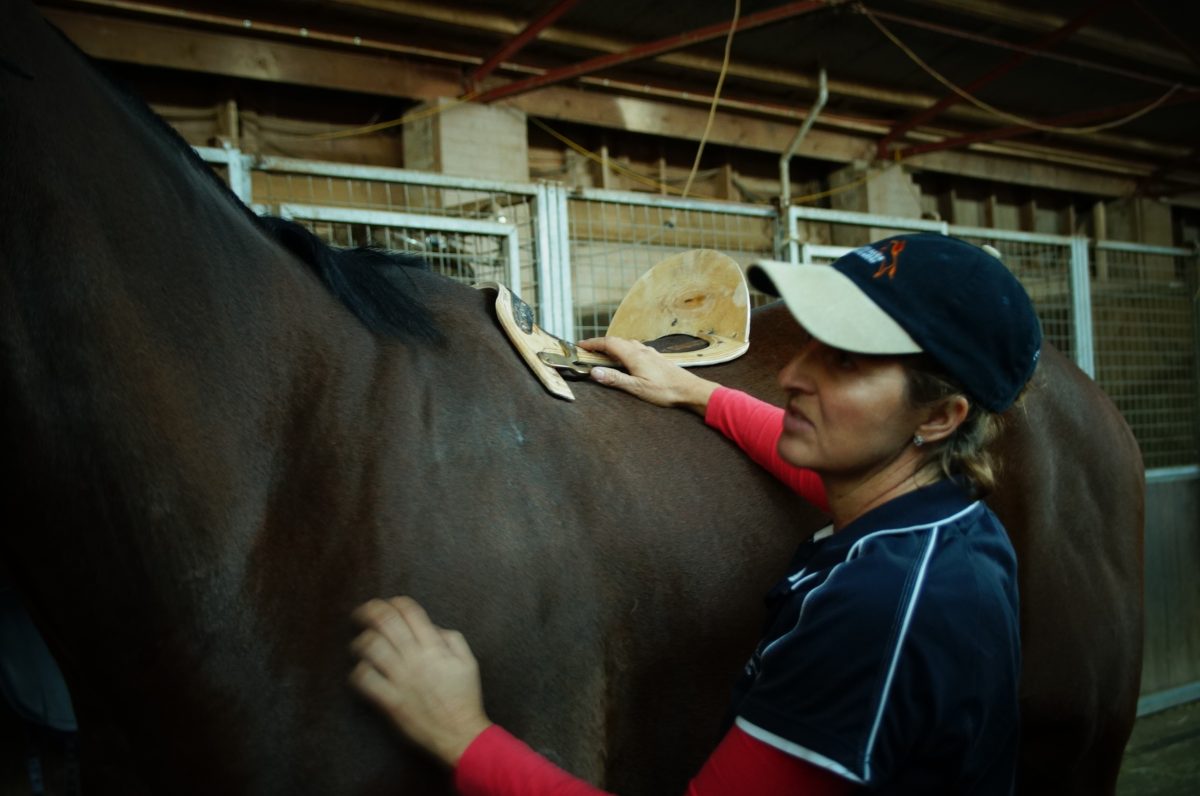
(918, 440)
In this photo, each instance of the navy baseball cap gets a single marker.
(916, 293)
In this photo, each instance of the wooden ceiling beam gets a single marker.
(131, 41)
(505, 26)
(648, 50)
(137, 42)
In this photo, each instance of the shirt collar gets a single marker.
(924, 506)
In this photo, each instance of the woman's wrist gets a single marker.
(697, 395)
(451, 748)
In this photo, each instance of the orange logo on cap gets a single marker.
(889, 267)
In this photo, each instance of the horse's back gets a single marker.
(1072, 497)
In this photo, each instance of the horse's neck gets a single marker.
(153, 337)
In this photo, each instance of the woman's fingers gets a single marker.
(416, 621)
(625, 352)
(422, 677)
(375, 687)
(401, 622)
(649, 375)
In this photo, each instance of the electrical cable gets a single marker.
(1031, 124)
(712, 109)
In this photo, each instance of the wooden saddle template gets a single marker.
(693, 307)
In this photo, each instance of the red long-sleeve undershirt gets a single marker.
(756, 427)
(497, 764)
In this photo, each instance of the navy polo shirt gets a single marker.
(892, 652)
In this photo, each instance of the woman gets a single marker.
(891, 654)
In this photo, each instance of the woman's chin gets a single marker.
(795, 453)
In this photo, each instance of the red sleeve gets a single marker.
(497, 764)
(756, 427)
(744, 765)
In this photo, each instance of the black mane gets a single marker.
(365, 279)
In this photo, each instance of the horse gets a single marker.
(222, 435)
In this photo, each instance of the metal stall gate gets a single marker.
(615, 236)
(1126, 313)
(467, 229)
(1144, 299)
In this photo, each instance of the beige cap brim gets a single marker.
(832, 308)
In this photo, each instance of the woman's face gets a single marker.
(848, 415)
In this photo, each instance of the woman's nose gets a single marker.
(798, 372)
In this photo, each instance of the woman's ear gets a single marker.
(944, 418)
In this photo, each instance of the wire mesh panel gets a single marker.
(616, 237)
(484, 251)
(1044, 269)
(466, 229)
(1144, 303)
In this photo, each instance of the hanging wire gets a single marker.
(1020, 120)
(712, 109)
(411, 116)
(609, 163)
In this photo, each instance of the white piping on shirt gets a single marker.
(853, 552)
(796, 750)
(887, 683)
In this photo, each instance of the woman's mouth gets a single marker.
(796, 422)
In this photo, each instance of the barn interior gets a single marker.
(564, 146)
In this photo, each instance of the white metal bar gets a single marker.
(1145, 248)
(237, 164)
(546, 273)
(652, 200)
(514, 260)
(793, 235)
(562, 264)
(388, 218)
(1161, 700)
(213, 154)
(1081, 307)
(556, 318)
(1011, 234)
(239, 177)
(1163, 475)
(826, 252)
(381, 173)
(869, 219)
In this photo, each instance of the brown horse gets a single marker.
(213, 452)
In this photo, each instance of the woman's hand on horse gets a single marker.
(649, 375)
(422, 677)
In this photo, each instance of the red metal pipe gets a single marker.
(1018, 130)
(950, 100)
(653, 49)
(516, 43)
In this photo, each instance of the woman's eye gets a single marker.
(846, 360)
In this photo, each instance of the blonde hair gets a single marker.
(964, 454)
